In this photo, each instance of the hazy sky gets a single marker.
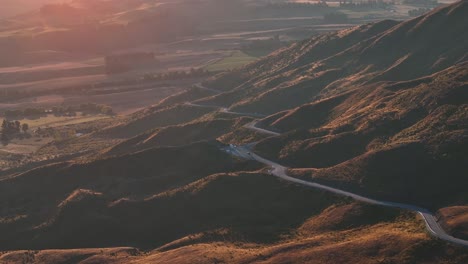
(13, 7)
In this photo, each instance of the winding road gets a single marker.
(280, 171)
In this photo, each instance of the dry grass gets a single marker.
(455, 220)
(402, 243)
(178, 135)
(58, 121)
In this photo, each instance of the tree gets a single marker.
(336, 17)
(4, 133)
(4, 138)
(25, 127)
(17, 126)
(107, 110)
(4, 125)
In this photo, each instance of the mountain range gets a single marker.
(378, 109)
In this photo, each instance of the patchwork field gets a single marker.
(235, 60)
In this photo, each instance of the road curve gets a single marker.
(253, 126)
(280, 171)
(200, 86)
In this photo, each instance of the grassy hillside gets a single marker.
(379, 109)
(154, 118)
(362, 136)
(34, 198)
(320, 238)
(455, 220)
(373, 108)
(335, 63)
(179, 135)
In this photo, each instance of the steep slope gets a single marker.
(384, 116)
(30, 199)
(154, 118)
(373, 109)
(400, 140)
(339, 62)
(455, 219)
(351, 104)
(179, 135)
(87, 218)
(321, 239)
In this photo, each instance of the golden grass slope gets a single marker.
(385, 242)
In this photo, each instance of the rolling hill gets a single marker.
(351, 114)
(379, 110)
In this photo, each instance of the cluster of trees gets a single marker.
(293, 5)
(92, 108)
(85, 109)
(418, 12)
(57, 134)
(11, 94)
(421, 2)
(277, 8)
(28, 112)
(11, 129)
(367, 4)
(176, 75)
(120, 63)
(336, 17)
(149, 77)
(88, 108)
(263, 46)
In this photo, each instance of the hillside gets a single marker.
(335, 63)
(385, 116)
(179, 135)
(360, 136)
(32, 200)
(325, 236)
(455, 219)
(350, 114)
(379, 110)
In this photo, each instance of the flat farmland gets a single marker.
(235, 60)
(59, 121)
(137, 97)
(24, 146)
(215, 51)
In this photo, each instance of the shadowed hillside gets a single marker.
(384, 113)
(31, 198)
(380, 110)
(179, 135)
(326, 236)
(335, 63)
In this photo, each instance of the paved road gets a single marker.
(227, 111)
(280, 171)
(253, 126)
(200, 86)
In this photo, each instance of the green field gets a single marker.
(235, 60)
